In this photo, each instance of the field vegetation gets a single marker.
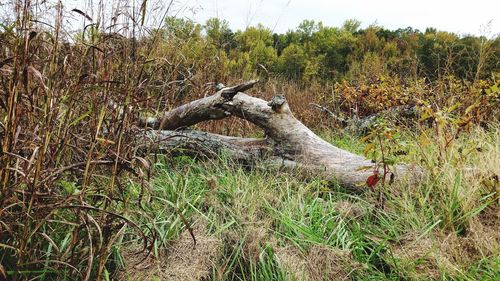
(82, 198)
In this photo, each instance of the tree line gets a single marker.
(314, 51)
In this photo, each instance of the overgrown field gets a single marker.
(82, 198)
(267, 225)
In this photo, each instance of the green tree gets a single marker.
(292, 61)
(219, 34)
(257, 43)
(351, 25)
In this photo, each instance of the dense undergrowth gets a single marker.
(79, 199)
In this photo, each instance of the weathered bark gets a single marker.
(287, 139)
(243, 150)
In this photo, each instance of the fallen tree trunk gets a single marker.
(287, 140)
(243, 150)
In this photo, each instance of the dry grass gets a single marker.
(181, 260)
(445, 253)
(349, 210)
(320, 263)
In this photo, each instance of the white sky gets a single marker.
(459, 16)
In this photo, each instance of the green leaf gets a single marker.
(69, 187)
(389, 161)
(106, 274)
(80, 118)
(453, 107)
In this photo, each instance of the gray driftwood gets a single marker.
(288, 142)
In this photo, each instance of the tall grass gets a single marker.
(67, 142)
(276, 226)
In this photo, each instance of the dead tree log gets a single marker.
(189, 142)
(287, 141)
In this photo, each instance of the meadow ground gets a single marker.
(261, 224)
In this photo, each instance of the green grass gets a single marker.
(277, 226)
(424, 231)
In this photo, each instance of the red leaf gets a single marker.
(372, 181)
